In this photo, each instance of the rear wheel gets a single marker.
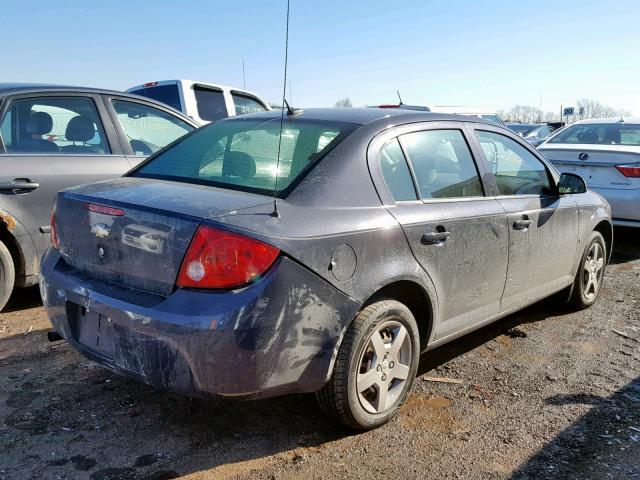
(588, 281)
(375, 367)
(7, 275)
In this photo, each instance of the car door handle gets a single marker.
(435, 238)
(18, 185)
(522, 224)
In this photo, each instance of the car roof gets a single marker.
(363, 116)
(609, 120)
(11, 88)
(17, 88)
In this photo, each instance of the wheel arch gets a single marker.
(605, 228)
(416, 297)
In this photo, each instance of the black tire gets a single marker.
(580, 299)
(339, 398)
(7, 275)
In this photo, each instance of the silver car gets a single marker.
(605, 152)
(54, 137)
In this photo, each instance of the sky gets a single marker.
(492, 54)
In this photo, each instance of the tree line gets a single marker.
(529, 114)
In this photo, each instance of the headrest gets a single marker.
(612, 135)
(238, 164)
(80, 129)
(39, 123)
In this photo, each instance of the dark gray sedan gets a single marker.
(55, 137)
(322, 254)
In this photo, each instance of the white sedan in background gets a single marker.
(605, 152)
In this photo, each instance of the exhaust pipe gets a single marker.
(54, 336)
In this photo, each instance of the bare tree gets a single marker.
(344, 103)
(524, 114)
(595, 109)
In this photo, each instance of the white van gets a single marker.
(204, 102)
(485, 113)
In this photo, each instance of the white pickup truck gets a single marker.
(204, 102)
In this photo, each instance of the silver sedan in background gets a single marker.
(605, 152)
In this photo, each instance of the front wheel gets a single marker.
(375, 367)
(588, 281)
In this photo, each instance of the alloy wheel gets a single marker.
(593, 271)
(384, 367)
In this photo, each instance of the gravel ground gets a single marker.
(545, 393)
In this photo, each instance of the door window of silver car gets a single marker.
(54, 126)
(442, 163)
(245, 104)
(210, 103)
(396, 172)
(517, 171)
(148, 129)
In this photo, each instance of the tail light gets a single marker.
(631, 170)
(54, 232)
(221, 259)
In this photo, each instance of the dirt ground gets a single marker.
(545, 393)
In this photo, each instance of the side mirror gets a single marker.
(570, 183)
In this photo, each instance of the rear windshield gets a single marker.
(242, 154)
(600, 134)
(167, 94)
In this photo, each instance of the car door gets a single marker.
(53, 141)
(144, 128)
(543, 226)
(457, 233)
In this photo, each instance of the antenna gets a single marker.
(244, 80)
(290, 111)
(399, 97)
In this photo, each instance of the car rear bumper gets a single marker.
(625, 205)
(279, 335)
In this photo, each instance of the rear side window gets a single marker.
(517, 171)
(245, 104)
(168, 94)
(243, 154)
(395, 172)
(210, 103)
(54, 126)
(148, 129)
(442, 163)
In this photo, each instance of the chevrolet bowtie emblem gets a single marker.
(583, 156)
(100, 230)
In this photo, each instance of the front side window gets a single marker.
(517, 171)
(618, 133)
(395, 172)
(148, 129)
(442, 163)
(245, 104)
(53, 126)
(242, 154)
(210, 103)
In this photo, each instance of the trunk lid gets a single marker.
(596, 164)
(141, 241)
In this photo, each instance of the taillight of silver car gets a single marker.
(629, 170)
(221, 259)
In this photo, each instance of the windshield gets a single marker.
(521, 129)
(492, 119)
(600, 134)
(242, 154)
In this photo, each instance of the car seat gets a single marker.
(81, 129)
(39, 123)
